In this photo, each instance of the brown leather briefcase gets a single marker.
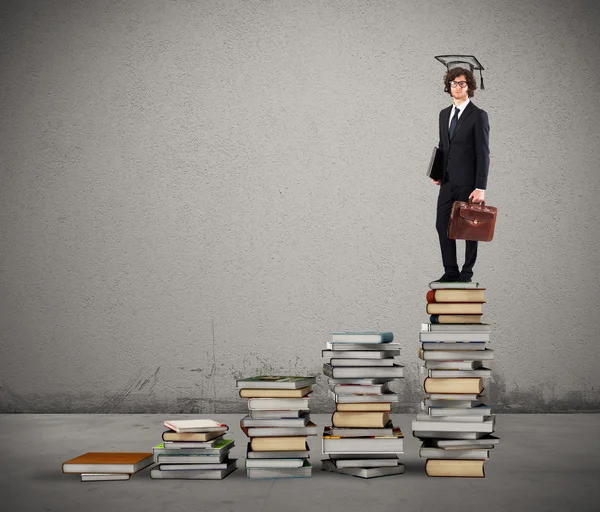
(472, 221)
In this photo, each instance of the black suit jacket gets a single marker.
(466, 157)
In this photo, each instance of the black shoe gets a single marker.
(448, 278)
(462, 278)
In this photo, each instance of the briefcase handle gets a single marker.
(480, 204)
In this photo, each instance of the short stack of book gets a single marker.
(278, 425)
(362, 441)
(107, 466)
(193, 450)
(456, 425)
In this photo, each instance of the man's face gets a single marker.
(459, 88)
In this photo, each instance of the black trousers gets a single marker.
(448, 194)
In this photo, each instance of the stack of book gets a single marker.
(456, 425)
(278, 424)
(193, 450)
(107, 466)
(362, 441)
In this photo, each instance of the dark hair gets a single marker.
(453, 73)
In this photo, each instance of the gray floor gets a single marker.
(544, 462)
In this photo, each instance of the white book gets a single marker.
(436, 285)
(265, 404)
(485, 373)
(453, 345)
(450, 404)
(359, 389)
(278, 413)
(388, 396)
(453, 365)
(99, 477)
(365, 460)
(456, 418)
(348, 347)
(453, 336)
(191, 466)
(360, 354)
(484, 441)
(274, 463)
(247, 421)
(463, 355)
(304, 471)
(197, 425)
(486, 426)
(335, 372)
(456, 327)
(479, 410)
(340, 361)
(454, 396)
(441, 434)
(193, 474)
(309, 430)
(361, 337)
(440, 453)
(362, 472)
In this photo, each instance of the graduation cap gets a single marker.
(462, 61)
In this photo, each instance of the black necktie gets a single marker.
(454, 121)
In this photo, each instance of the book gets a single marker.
(305, 471)
(275, 393)
(455, 418)
(457, 335)
(453, 345)
(456, 295)
(455, 319)
(169, 435)
(364, 407)
(364, 460)
(478, 410)
(278, 444)
(455, 285)
(341, 361)
(247, 421)
(395, 371)
(266, 404)
(486, 426)
(455, 308)
(355, 445)
(458, 385)
(426, 452)
(274, 463)
(463, 355)
(388, 430)
(359, 389)
(386, 396)
(442, 434)
(274, 454)
(454, 397)
(108, 462)
(191, 466)
(362, 472)
(456, 327)
(358, 381)
(193, 474)
(435, 169)
(360, 354)
(309, 430)
(196, 425)
(276, 382)
(360, 419)
(453, 365)
(220, 447)
(278, 413)
(488, 440)
(186, 458)
(456, 468)
(361, 337)
(483, 373)
(172, 445)
(99, 477)
(450, 404)
(348, 347)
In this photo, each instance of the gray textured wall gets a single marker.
(194, 191)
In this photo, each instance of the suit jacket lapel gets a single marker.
(464, 115)
(445, 121)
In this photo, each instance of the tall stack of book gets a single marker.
(278, 425)
(456, 425)
(193, 450)
(362, 441)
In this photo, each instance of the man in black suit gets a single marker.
(464, 142)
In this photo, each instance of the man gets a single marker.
(464, 142)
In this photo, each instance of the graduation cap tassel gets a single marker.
(481, 78)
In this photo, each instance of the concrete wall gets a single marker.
(195, 191)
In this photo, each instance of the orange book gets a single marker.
(454, 385)
(275, 393)
(108, 462)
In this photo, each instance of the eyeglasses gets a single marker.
(462, 85)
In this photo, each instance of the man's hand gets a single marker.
(435, 182)
(477, 196)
